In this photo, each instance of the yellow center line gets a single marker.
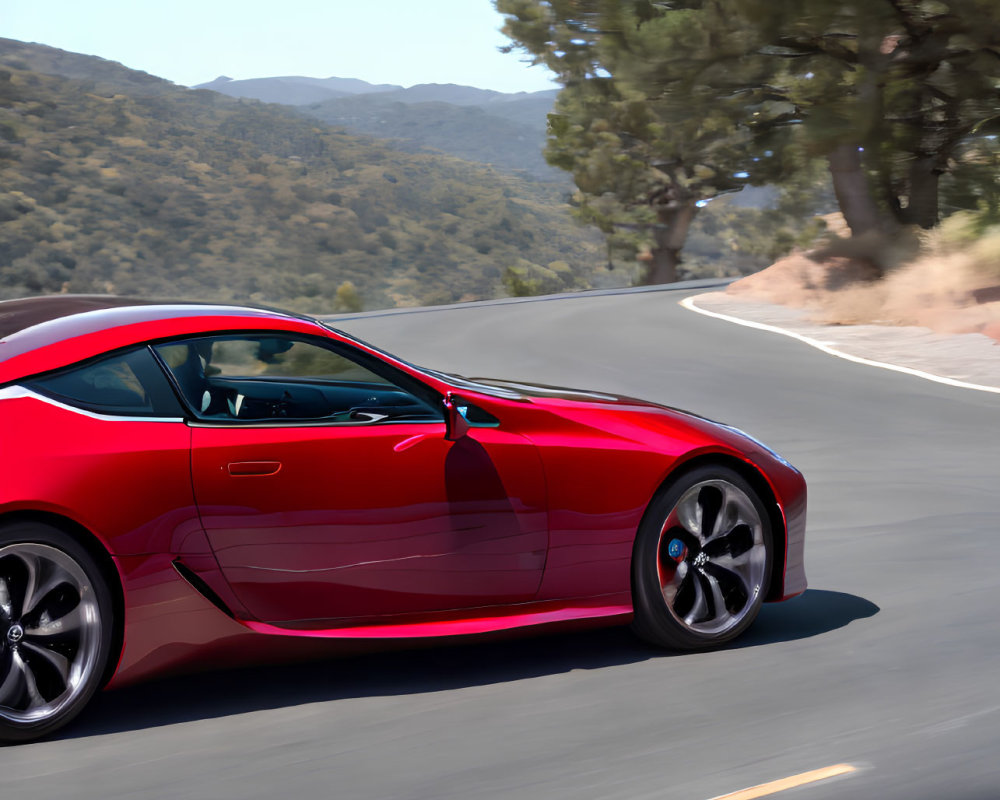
(792, 782)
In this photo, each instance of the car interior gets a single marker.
(254, 378)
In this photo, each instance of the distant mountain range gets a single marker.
(294, 90)
(505, 130)
(297, 90)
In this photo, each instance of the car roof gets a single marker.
(43, 333)
(18, 315)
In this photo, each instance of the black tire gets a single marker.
(56, 623)
(695, 588)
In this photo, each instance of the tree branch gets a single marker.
(909, 24)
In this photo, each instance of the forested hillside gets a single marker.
(469, 132)
(117, 181)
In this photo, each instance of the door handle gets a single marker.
(242, 468)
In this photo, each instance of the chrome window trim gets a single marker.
(17, 392)
(305, 423)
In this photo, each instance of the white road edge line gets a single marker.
(690, 305)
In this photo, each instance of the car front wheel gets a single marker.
(55, 630)
(702, 560)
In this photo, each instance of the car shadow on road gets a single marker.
(815, 612)
(431, 669)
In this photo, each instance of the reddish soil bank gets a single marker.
(946, 293)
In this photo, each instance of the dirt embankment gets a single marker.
(949, 290)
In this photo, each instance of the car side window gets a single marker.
(124, 384)
(275, 378)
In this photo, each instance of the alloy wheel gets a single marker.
(712, 557)
(50, 632)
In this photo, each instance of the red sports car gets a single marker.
(191, 485)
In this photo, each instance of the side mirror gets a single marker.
(455, 424)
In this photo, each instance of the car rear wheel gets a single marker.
(702, 561)
(55, 630)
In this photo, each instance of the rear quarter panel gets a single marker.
(126, 481)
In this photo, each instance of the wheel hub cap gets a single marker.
(15, 633)
(677, 550)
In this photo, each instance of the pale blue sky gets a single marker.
(189, 42)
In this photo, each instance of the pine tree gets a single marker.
(653, 118)
(892, 91)
(668, 103)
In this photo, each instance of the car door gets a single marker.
(329, 493)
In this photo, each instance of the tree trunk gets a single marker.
(850, 184)
(922, 208)
(662, 266)
(670, 234)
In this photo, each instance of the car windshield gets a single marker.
(455, 380)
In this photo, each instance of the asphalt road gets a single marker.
(889, 663)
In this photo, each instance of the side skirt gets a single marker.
(172, 625)
(611, 610)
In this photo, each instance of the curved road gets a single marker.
(889, 663)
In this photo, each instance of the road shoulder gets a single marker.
(970, 360)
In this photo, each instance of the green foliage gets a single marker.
(652, 119)
(730, 241)
(973, 180)
(171, 192)
(666, 104)
(348, 298)
(915, 83)
(526, 279)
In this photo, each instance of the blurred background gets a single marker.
(462, 151)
